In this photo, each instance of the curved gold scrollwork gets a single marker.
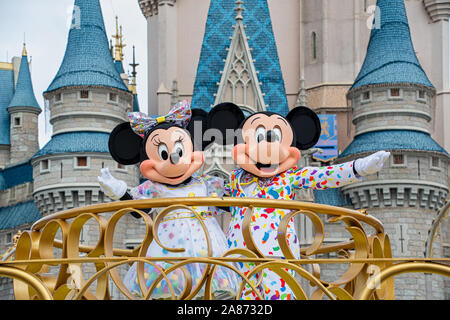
(412, 267)
(39, 273)
(32, 282)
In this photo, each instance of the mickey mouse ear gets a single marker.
(125, 145)
(197, 127)
(225, 117)
(306, 125)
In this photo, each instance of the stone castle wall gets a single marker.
(24, 135)
(70, 111)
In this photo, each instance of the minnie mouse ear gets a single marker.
(197, 127)
(125, 145)
(225, 117)
(306, 125)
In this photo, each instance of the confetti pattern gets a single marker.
(181, 230)
(265, 221)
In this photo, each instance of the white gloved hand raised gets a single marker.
(112, 187)
(371, 164)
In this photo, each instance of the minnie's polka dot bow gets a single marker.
(179, 115)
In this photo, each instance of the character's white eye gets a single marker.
(278, 134)
(260, 134)
(163, 152)
(179, 148)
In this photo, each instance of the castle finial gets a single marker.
(122, 45)
(24, 51)
(134, 73)
(119, 42)
(239, 9)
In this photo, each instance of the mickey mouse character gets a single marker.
(164, 147)
(267, 149)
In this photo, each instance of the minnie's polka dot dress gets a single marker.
(180, 230)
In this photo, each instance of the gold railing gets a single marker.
(369, 274)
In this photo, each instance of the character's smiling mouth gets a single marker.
(175, 178)
(266, 167)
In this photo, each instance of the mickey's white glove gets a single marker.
(113, 188)
(371, 164)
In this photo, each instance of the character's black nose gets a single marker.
(271, 136)
(174, 158)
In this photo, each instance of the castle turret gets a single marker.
(24, 111)
(87, 99)
(6, 94)
(392, 101)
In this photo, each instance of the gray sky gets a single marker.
(45, 24)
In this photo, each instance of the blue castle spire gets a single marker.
(390, 54)
(87, 61)
(391, 60)
(24, 94)
(221, 18)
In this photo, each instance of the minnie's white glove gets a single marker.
(371, 164)
(113, 188)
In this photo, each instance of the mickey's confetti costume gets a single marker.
(267, 151)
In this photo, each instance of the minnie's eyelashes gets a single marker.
(157, 143)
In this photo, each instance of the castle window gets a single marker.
(81, 163)
(58, 97)
(84, 95)
(9, 238)
(435, 163)
(395, 93)
(121, 167)
(113, 97)
(17, 121)
(314, 46)
(421, 95)
(398, 160)
(45, 166)
(365, 96)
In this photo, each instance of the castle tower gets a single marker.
(163, 62)
(24, 111)
(392, 102)
(6, 94)
(439, 15)
(87, 99)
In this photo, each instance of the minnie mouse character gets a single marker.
(165, 148)
(267, 149)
